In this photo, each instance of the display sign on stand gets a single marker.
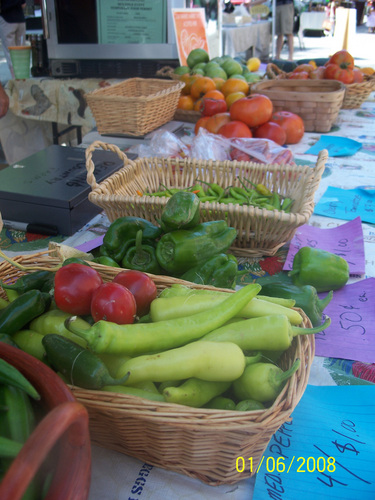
(190, 30)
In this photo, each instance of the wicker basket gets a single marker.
(317, 102)
(260, 231)
(135, 106)
(200, 443)
(355, 93)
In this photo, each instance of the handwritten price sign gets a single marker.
(331, 422)
(350, 335)
(345, 240)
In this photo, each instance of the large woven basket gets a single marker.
(135, 106)
(317, 102)
(200, 443)
(260, 231)
(355, 93)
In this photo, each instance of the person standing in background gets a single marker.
(12, 26)
(284, 24)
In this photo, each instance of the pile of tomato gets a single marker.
(80, 290)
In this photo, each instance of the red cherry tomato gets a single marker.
(142, 287)
(74, 287)
(291, 123)
(272, 131)
(113, 302)
(235, 128)
(254, 110)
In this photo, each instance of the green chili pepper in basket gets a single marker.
(220, 270)
(180, 212)
(37, 280)
(195, 392)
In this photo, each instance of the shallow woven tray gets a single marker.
(200, 443)
(260, 231)
(355, 93)
(317, 102)
(135, 106)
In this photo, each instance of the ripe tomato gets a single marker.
(343, 59)
(74, 287)
(201, 86)
(254, 110)
(201, 123)
(318, 73)
(214, 94)
(299, 75)
(216, 121)
(231, 98)
(234, 85)
(272, 131)
(358, 76)
(185, 102)
(291, 123)
(141, 286)
(335, 72)
(210, 107)
(113, 302)
(235, 129)
(307, 68)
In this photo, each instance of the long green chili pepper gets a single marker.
(195, 392)
(260, 188)
(37, 280)
(11, 376)
(140, 338)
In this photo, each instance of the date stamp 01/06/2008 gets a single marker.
(300, 464)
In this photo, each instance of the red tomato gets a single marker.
(142, 287)
(357, 76)
(291, 123)
(74, 287)
(113, 302)
(254, 110)
(235, 129)
(343, 59)
(210, 107)
(335, 72)
(272, 131)
(201, 123)
(299, 75)
(215, 122)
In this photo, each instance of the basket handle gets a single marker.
(273, 72)
(69, 417)
(91, 180)
(320, 166)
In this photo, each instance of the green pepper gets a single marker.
(323, 270)
(7, 339)
(213, 189)
(3, 303)
(134, 391)
(38, 280)
(75, 260)
(220, 403)
(124, 229)
(105, 260)
(262, 381)
(195, 392)
(183, 249)
(287, 205)
(79, 365)
(306, 297)
(141, 257)
(180, 212)
(23, 309)
(209, 361)
(260, 188)
(31, 342)
(249, 405)
(220, 270)
(9, 375)
(140, 338)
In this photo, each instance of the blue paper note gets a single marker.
(335, 145)
(347, 204)
(326, 451)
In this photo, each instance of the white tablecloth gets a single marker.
(256, 36)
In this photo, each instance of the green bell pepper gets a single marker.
(180, 212)
(219, 270)
(321, 269)
(305, 297)
(121, 231)
(183, 249)
(141, 257)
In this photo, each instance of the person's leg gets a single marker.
(290, 39)
(7, 34)
(279, 45)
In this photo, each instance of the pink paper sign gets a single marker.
(345, 240)
(351, 333)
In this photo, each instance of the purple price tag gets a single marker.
(345, 240)
(350, 335)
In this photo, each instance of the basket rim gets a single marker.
(333, 88)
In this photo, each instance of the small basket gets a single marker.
(135, 106)
(357, 93)
(317, 102)
(260, 231)
(200, 443)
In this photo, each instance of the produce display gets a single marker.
(220, 90)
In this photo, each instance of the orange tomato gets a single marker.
(201, 123)
(188, 80)
(234, 85)
(214, 94)
(303, 67)
(216, 121)
(219, 82)
(185, 102)
(231, 98)
(318, 73)
(197, 104)
(235, 129)
(358, 76)
(201, 86)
